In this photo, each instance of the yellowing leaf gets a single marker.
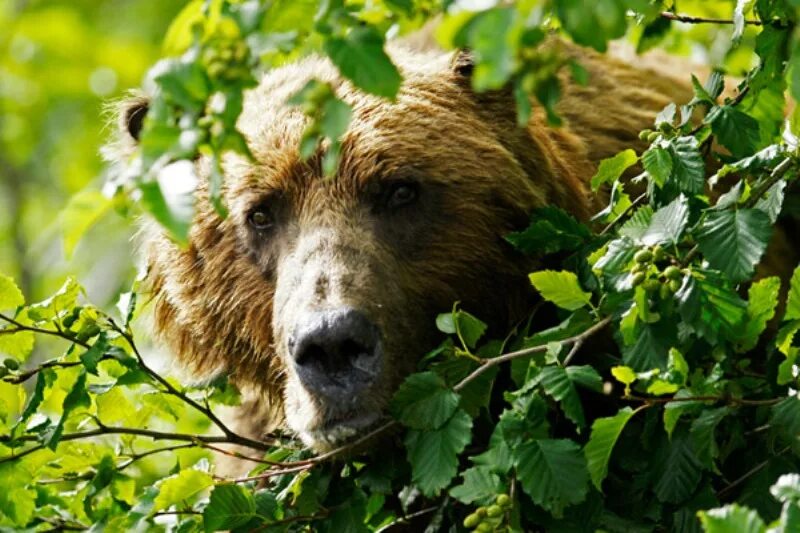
(625, 375)
(83, 210)
(10, 295)
(182, 486)
(612, 168)
(561, 288)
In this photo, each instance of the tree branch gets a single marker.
(689, 19)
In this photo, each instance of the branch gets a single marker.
(775, 176)
(232, 436)
(486, 364)
(688, 19)
(52, 333)
(730, 400)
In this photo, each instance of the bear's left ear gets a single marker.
(463, 63)
(131, 116)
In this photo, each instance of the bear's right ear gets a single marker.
(131, 116)
(463, 63)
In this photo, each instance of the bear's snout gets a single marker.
(337, 353)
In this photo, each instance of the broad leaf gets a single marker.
(605, 432)
(423, 401)
(433, 455)
(668, 223)
(561, 288)
(731, 519)
(360, 57)
(229, 507)
(180, 487)
(793, 302)
(688, 165)
(736, 131)
(761, 304)
(733, 241)
(612, 168)
(552, 472)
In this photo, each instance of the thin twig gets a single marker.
(494, 361)
(689, 19)
(730, 400)
(405, 519)
(775, 176)
(750, 473)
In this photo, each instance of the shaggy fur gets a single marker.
(229, 302)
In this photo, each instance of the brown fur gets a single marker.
(228, 302)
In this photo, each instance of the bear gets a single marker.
(317, 295)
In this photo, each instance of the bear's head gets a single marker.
(319, 295)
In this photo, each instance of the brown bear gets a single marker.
(317, 296)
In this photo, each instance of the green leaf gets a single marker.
(10, 295)
(360, 57)
(702, 434)
(612, 168)
(552, 472)
(557, 383)
(787, 488)
(736, 131)
(605, 432)
(176, 221)
(551, 230)
(489, 35)
(229, 507)
(75, 398)
(423, 401)
(83, 210)
(657, 162)
(18, 345)
(733, 241)
(688, 165)
(731, 519)
(180, 487)
(651, 348)
(667, 224)
(793, 301)
(433, 455)
(480, 483)
(761, 304)
(786, 416)
(468, 328)
(680, 471)
(561, 288)
(636, 226)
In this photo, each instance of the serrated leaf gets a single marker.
(229, 507)
(552, 472)
(731, 519)
(479, 483)
(551, 230)
(702, 434)
(557, 383)
(735, 130)
(636, 226)
(761, 304)
(605, 432)
(651, 348)
(180, 487)
(733, 241)
(657, 162)
(688, 165)
(561, 288)
(75, 398)
(680, 472)
(612, 168)
(772, 202)
(10, 295)
(433, 455)
(668, 223)
(361, 58)
(423, 401)
(793, 301)
(786, 416)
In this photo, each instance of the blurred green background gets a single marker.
(61, 63)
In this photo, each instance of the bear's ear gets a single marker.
(462, 63)
(131, 116)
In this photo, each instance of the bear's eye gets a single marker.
(402, 194)
(260, 218)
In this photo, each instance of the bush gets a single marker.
(695, 406)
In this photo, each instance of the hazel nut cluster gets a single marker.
(487, 519)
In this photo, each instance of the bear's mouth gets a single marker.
(336, 431)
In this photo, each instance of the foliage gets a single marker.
(693, 407)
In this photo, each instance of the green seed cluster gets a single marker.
(647, 273)
(487, 519)
(227, 59)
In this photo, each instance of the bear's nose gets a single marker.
(336, 352)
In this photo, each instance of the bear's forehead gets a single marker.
(431, 127)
